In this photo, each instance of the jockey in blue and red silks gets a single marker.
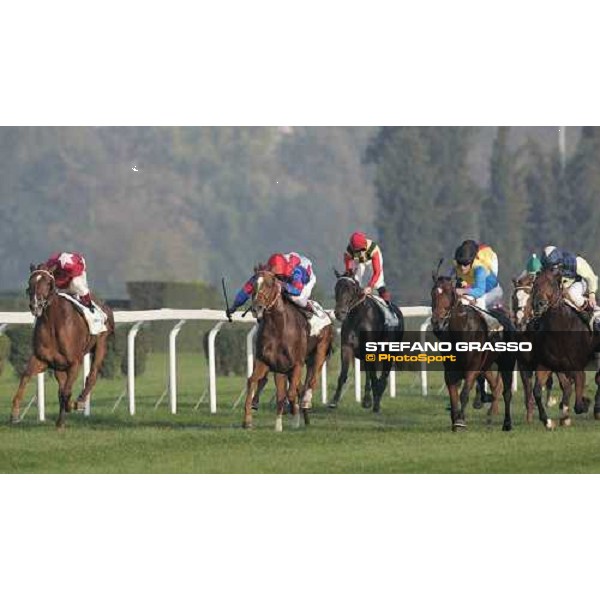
(294, 271)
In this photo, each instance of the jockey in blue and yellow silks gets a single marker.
(476, 267)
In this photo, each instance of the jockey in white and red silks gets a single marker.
(363, 256)
(69, 270)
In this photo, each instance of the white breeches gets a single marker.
(491, 298)
(576, 293)
(79, 285)
(304, 296)
(364, 272)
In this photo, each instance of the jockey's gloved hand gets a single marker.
(228, 314)
(368, 290)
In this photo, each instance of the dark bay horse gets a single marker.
(453, 321)
(61, 339)
(284, 345)
(359, 312)
(522, 316)
(563, 343)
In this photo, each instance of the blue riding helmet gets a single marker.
(552, 259)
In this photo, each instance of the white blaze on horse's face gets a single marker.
(522, 299)
(440, 290)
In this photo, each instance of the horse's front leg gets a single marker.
(90, 381)
(281, 390)
(597, 397)
(582, 404)
(34, 367)
(260, 371)
(380, 385)
(541, 375)
(527, 381)
(347, 354)
(367, 400)
(507, 373)
(470, 378)
(452, 379)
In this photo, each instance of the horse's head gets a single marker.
(347, 294)
(522, 300)
(547, 290)
(266, 292)
(40, 289)
(443, 299)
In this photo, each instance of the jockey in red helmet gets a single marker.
(364, 255)
(69, 270)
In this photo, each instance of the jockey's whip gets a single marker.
(226, 301)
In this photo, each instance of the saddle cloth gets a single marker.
(319, 319)
(96, 320)
(390, 317)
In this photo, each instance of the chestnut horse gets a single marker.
(563, 343)
(61, 339)
(454, 321)
(284, 345)
(522, 317)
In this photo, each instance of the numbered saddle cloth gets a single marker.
(390, 316)
(319, 319)
(96, 320)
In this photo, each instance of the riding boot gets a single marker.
(493, 325)
(87, 302)
(385, 295)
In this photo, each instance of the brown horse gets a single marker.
(61, 339)
(563, 343)
(284, 345)
(522, 315)
(454, 321)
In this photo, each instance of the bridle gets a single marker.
(359, 295)
(441, 324)
(552, 303)
(261, 295)
(40, 303)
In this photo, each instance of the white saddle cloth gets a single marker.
(318, 320)
(96, 320)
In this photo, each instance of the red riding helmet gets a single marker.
(278, 265)
(358, 241)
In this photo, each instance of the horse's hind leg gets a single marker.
(90, 380)
(526, 380)
(294, 386)
(34, 367)
(506, 373)
(582, 404)
(313, 371)
(452, 379)
(495, 381)
(367, 400)
(380, 385)
(550, 397)
(261, 386)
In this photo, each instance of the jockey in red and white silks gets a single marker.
(363, 257)
(69, 270)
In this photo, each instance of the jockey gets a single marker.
(297, 275)
(363, 254)
(69, 271)
(533, 267)
(578, 279)
(294, 270)
(476, 266)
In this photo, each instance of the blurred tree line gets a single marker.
(428, 200)
(211, 201)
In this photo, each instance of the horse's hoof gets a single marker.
(477, 403)
(459, 426)
(366, 403)
(376, 408)
(306, 416)
(60, 427)
(529, 417)
(80, 406)
(254, 405)
(278, 425)
(507, 427)
(14, 419)
(332, 405)
(550, 425)
(583, 406)
(247, 425)
(552, 401)
(565, 422)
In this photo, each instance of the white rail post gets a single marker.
(324, 383)
(357, 379)
(423, 328)
(41, 397)
(212, 369)
(87, 364)
(393, 383)
(173, 365)
(250, 350)
(131, 365)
